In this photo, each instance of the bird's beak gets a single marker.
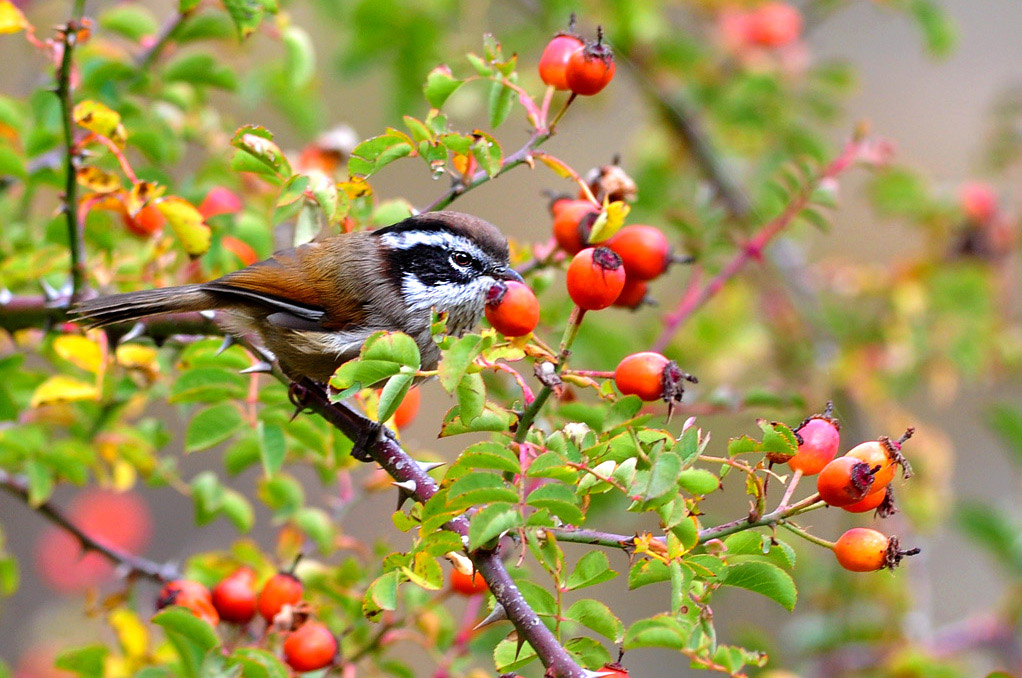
(508, 273)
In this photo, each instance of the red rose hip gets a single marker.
(512, 308)
(591, 68)
(235, 596)
(310, 647)
(820, 442)
(651, 376)
(645, 251)
(595, 278)
(553, 65)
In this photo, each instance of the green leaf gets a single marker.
(622, 411)
(425, 571)
(777, 438)
(374, 154)
(318, 526)
(87, 662)
(698, 481)
(207, 384)
(40, 482)
(479, 488)
(258, 663)
(492, 419)
(659, 631)
(766, 579)
(489, 455)
(593, 568)
(502, 98)
(299, 56)
(646, 572)
(490, 522)
(200, 69)
(938, 29)
(381, 595)
(487, 152)
(246, 15)
(10, 575)
(131, 21)
(237, 509)
(660, 481)
(508, 657)
(440, 85)
(994, 531)
(552, 465)
(207, 496)
(257, 142)
(597, 616)
(588, 651)
(471, 397)
(559, 500)
(358, 374)
(191, 637)
(458, 358)
(272, 447)
(393, 393)
(212, 426)
(396, 347)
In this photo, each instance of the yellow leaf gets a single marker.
(124, 476)
(132, 634)
(136, 356)
(610, 220)
(356, 187)
(11, 18)
(141, 193)
(186, 222)
(61, 388)
(79, 351)
(557, 165)
(98, 180)
(101, 119)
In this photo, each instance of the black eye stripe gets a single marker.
(431, 264)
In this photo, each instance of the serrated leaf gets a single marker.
(381, 595)
(206, 384)
(471, 393)
(257, 142)
(489, 455)
(509, 657)
(246, 15)
(394, 391)
(660, 480)
(373, 154)
(487, 152)
(101, 119)
(559, 500)
(492, 418)
(458, 359)
(659, 631)
(698, 481)
(645, 572)
(596, 616)
(593, 568)
(425, 571)
(212, 426)
(766, 579)
(396, 347)
(490, 522)
(440, 85)
(479, 488)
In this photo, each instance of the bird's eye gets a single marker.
(461, 258)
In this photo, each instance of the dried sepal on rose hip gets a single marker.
(862, 549)
(845, 480)
(885, 454)
(819, 439)
(651, 376)
(591, 68)
(611, 182)
(511, 308)
(595, 278)
(881, 501)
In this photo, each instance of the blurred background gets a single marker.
(945, 95)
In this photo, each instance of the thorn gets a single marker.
(518, 648)
(48, 291)
(68, 288)
(428, 466)
(497, 614)
(229, 341)
(261, 367)
(405, 490)
(136, 331)
(207, 314)
(5, 296)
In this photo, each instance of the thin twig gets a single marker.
(753, 249)
(18, 486)
(75, 234)
(146, 59)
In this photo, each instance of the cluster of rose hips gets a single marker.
(569, 63)
(857, 482)
(308, 645)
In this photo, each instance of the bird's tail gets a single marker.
(118, 308)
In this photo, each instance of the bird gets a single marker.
(314, 306)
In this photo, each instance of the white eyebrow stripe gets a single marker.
(404, 240)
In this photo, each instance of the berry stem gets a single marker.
(560, 114)
(594, 374)
(790, 489)
(806, 535)
(530, 413)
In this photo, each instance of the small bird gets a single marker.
(313, 306)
